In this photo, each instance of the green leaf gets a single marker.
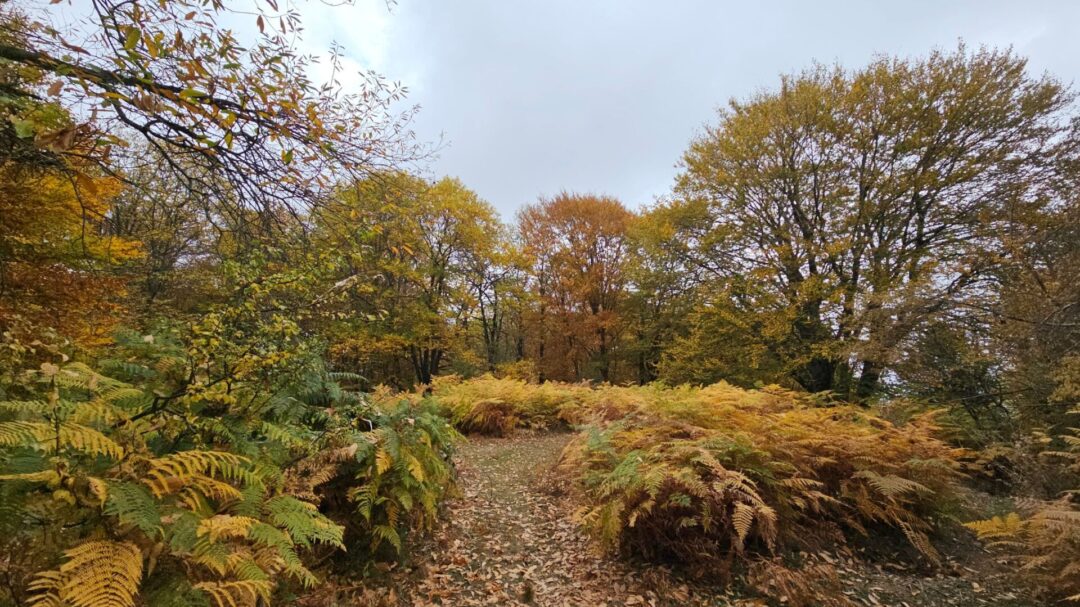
(24, 129)
(132, 39)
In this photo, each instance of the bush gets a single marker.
(706, 476)
(173, 488)
(488, 405)
(382, 472)
(1046, 544)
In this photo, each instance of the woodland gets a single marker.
(251, 354)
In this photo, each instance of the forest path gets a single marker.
(509, 539)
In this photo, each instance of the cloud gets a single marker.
(604, 96)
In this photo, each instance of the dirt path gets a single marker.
(509, 540)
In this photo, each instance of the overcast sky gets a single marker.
(533, 98)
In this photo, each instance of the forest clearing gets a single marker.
(255, 352)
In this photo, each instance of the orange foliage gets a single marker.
(576, 246)
(53, 255)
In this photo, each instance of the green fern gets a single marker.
(133, 505)
(303, 521)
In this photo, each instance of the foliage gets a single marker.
(859, 206)
(406, 251)
(902, 235)
(208, 482)
(235, 119)
(57, 271)
(381, 470)
(494, 406)
(576, 247)
(709, 475)
(1046, 544)
(77, 449)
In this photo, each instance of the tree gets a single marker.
(577, 249)
(56, 269)
(496, 284)
(867, 203)
(1034, 322)
(661, 296)
(408, 253)
(233, 119)
(171, 223)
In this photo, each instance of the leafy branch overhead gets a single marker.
(236, 118)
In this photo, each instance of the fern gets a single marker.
(1045, 544)
(50, 437)
(133, 505)
(166, 474)
(202, 480)
(705, 474)
(237, 594)
(96, 574)
(303, 521)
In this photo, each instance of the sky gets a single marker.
(526, 99)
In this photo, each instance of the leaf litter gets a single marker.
(509, 538)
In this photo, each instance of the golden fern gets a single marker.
(315, 470)
(1046, 544)
(96, 574)
(222, 526)
(241, 593)
(719, 470)
(51, 437)
(166, 475)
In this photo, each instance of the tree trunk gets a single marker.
(869, 379)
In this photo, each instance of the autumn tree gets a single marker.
(408, 251)
(1034, 321)
(496, 283)
(237, 118)
(58, 271)
(576, 246)
(661, 297)
(861, 205)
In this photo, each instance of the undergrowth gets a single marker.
(142, 482)
(499, 406)
(717, 475)
(1045, 544)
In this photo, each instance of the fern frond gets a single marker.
(133, 505)
(304, 522)
(165, 471)
(96, 574)
(48, 437)
(242, 593)
(225, 526)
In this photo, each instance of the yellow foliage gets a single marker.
(96, 574)
(172, 472)
(490, 405)
(50, 437)
(49, 234)
(242, 593)
(684, 472)
(1046, 544)
(225, 526)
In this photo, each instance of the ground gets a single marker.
(509, 539)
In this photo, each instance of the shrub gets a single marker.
(381, 472)
(172, 488)
(208, 519)
(707, 475)
(488, 405)
(1046, 544)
